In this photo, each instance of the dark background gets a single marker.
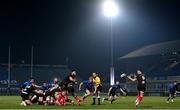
(77, 29)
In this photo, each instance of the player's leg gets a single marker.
(99, 97)
(169, 97)
(40, 100)
(173, 96)
(23, 99)
(98, 94)
(28, 102)
(71, 91)
(109, 98)
(139, 98)
(87, 93)
(94, 97)
(113, 98)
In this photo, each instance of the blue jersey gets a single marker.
(87, 85)
(44, 88)
(115, 87)
(25, 84)
(172, 87)
(27, 88)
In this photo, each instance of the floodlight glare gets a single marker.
(110, 8)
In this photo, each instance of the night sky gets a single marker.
(77, 29)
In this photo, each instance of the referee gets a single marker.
(97, 88)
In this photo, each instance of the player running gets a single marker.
(141, 86)
(97, 88)
(87, 86)
(68, 86)
(112, 92)
(172, 91)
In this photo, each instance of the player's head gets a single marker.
(33, 84)
(31, 80)
(44, 84)
(73, 72)
(175, 82)
(117, 82)
(91, 79)
(94, 74)
(139, 71)
(55, 80)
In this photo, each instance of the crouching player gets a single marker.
(41, 97)
(87, 86)
(112, 92)
(141, 86)
(60, 98)
(26, 90)
(172, 91)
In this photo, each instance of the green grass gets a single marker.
(13, 102)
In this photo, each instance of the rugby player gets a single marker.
(68, 86)
(50, 94)
(172, 91)
(141, 86)
(26, 90)
(112, 92)
(87, 86)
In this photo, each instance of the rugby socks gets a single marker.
(105, 98)
(140, 99)
(112, 101)
(77, 100)
(84, 97)
(99, 100)
(94, 100)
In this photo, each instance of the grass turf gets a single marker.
(13, 102)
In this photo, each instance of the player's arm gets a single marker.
(80, 85)
(124, 93)
(71, 79)
(132, 79)
(55, 86)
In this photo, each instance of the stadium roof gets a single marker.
(155, 49)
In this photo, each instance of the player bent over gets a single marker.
(26, 90)
(87, 86)
(97, 88)
(141, 86)
(60, 98)
(112, 92)
(172, 91)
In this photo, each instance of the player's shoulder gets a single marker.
(84, 81)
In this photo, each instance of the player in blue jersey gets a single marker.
(172, 91)
(112, 92)
(28, 88)
(87, 86)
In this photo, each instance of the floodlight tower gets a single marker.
(111, 10)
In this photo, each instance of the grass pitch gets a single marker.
(13, 102)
